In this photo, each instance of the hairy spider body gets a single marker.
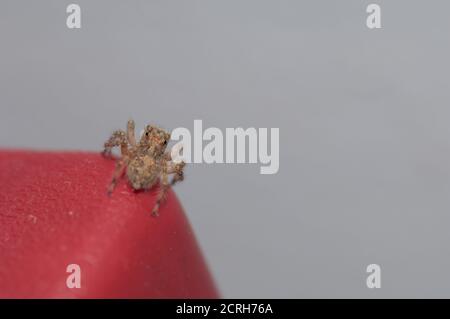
(143, 172)
(146, 162)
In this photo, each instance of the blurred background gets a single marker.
(363, 115)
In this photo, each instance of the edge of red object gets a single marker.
(54, 212)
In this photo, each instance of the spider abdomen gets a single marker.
(143, 172)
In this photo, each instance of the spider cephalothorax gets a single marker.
(146, 162)
(154, 141)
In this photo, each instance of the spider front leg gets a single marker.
(118, 138)
(130, 133)
(122, 139)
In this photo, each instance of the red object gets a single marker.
(54, 212)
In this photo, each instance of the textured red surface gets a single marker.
(54, 211)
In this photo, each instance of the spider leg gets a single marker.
(178, 171)
(164, 186)
(130, 133)
(176, 178)
(168, 155)
(118, 138)
(118, 172)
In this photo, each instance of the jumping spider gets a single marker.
(146, 162)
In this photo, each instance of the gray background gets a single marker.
(363, 116)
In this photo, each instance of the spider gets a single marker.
(146, 162)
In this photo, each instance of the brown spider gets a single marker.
(146, 161)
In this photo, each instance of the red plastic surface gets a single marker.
(54, 211)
